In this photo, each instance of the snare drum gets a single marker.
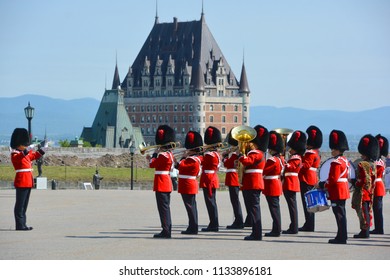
(316, 201)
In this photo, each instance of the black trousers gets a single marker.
(338, 207)
(20, 209)
(163, 205)
(248, 218)
(274, 208)
(235, 201)
(192, 211)
(291, 199)
(253, 199)
(309, 217)
(212, 209)
(378, 213)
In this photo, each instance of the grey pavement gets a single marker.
(119, 224)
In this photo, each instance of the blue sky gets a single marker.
(312, 54)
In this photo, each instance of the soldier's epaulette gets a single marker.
(296, 157)
(273, 159)
(336, 160)
(311, 151)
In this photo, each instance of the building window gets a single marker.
(133, 119)
(154, 119)
(235, 119)
(183, 108)
(142, 119)
(148, 108)
(166, 119)
(166, 108)
(235, 108)
(198, 118)
(198, 107)
(175, 108)
(134, 108)
(211, 108)
(211, 118)
(183, 130)
(223, 119)
(160, 118)
(245, 120)
(183, 119)
(190, 108)
(142, 109)
(223, 108)
(175, 119)
(148, 119)
(223, 130)
(190, 119)
(245, 109)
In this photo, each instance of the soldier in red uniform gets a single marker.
(189, 169)
(308, 174)
(337, 183)
(209, 181)
(21, 158)
(252, 179)
(231, 181)
(272, 180)
(363, 193)
(297, 144)
(380, 189)
(163, 162)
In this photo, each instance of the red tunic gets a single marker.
(253, 163)
(272, 176)
(23, 167)
(380, 189)
(310, 162)
(189, 170)
(230, 162)
(337, 183)
(291, 170)
(210, 165)
(162, 165)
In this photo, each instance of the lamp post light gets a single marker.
(132, 150)
(29, 112)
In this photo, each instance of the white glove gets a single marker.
(31, 147)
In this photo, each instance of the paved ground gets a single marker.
(119, 225)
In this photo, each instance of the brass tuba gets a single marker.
(284, 132)
(243, 134)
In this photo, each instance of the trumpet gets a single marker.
(171, 145)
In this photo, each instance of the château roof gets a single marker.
(244, 87)
(187, 44)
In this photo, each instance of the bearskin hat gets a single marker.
(262, 138)
(369, 147)
(383, 145)
(212, 135)
(276, 142)
(338, 141)
(19, 137)
(314, 137)
(165, 134)
(297, 141)
(193, 140)
(230, 139)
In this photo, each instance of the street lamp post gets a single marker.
(132, 150)
(29, 112)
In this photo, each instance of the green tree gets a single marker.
(64, 143)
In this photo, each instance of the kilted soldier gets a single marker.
(363, 194)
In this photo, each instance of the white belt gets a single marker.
(254, 171)
(271, 177)
(161, 173)
(24, 170)
(187, 177)
(209, 171)
(342, 180)
(313, 169)
(378, 180)
(291, 174)
(231, 170)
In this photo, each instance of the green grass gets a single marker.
(85, 174)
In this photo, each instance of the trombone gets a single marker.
(221, 146)
(144, 149)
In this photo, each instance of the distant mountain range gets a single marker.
(65, 119)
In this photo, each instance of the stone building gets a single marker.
(181, 78)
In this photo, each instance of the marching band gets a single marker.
(256, 162)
